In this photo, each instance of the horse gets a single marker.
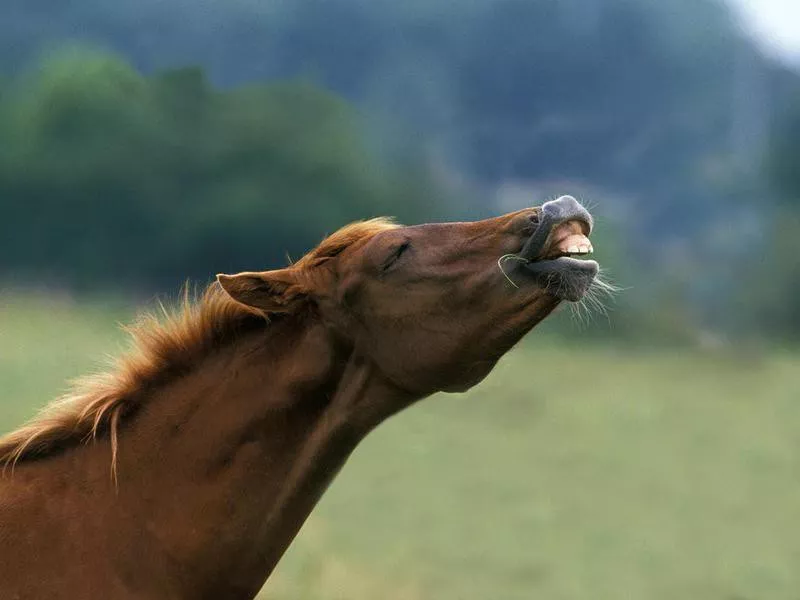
(186, 471)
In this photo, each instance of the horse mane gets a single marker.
(164, 346)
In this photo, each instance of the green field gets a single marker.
(571, 473)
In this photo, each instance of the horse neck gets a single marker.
(224, 465)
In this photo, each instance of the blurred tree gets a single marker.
(648, 98)
(108, 174)
(777, 269)
(784, 158)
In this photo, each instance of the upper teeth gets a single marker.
(586, 249)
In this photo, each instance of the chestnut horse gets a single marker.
(187, 471)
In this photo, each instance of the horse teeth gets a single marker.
(573, 250)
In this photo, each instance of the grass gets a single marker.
(571, 473)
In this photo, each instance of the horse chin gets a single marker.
(565, 278)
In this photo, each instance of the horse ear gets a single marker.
(271, 291)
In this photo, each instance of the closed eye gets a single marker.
(396, 254)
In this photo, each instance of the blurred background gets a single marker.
(649, 451)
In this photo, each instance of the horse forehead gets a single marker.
(453, 228)
(432, 235)
(453, 231)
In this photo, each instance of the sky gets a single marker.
(775, 24)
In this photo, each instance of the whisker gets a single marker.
(501, 261)
(595, 301)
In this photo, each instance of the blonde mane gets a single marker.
(164, 346)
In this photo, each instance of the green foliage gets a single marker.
(776, 269)
(631, 93)
(784, 156)
(107, 174)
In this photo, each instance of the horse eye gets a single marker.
(398, 252)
